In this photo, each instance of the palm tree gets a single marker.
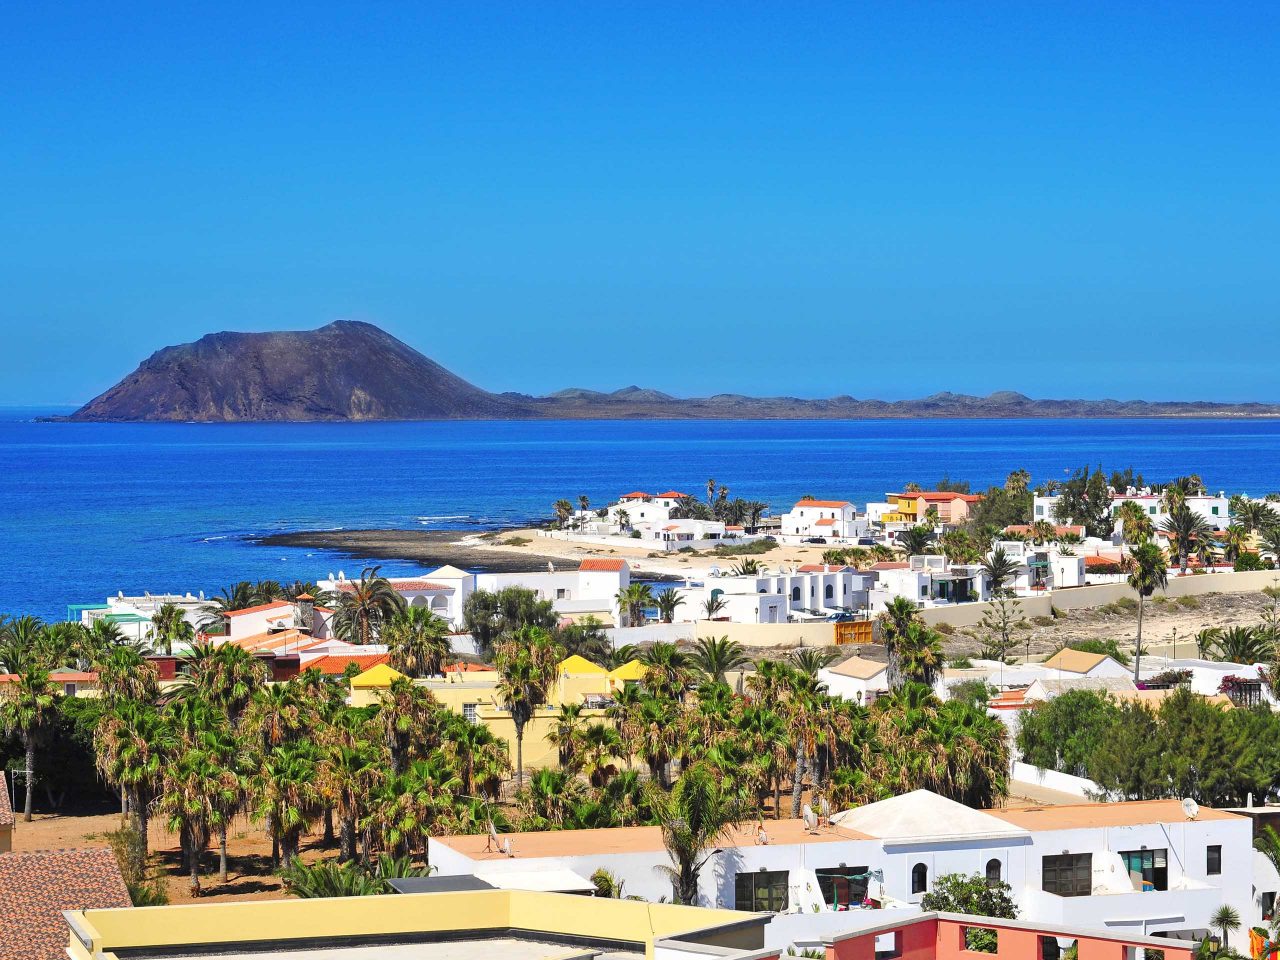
(563, 510)
(366, 605)
(920, 650)
(1269, 540)
(998, 567)
(1148, 572)
(527, 667)
(666, 602)
(1225, 919)
(632, 601)
(714, 606)
(1135, 523)
(1186, 530)
(238, 596)
(693, 817)
(1254, 515)
(1243, 645)
(667, 670)
(746, 567)
(418, 642)
(1267, 843)
(566, 736)
(898, 615)
(1235, 541)
(810, 660)
(916, 540)
(132, 742)
(168, 624)
(716, 656)
(287, 795)
(410, 806)
(548, 797)
(123, 674)
(27, 709)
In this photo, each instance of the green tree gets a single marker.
(418, 642)
(526, 669)
(1148, 572)
(716, 656)
(1064, 733)
(694, 817)
(492, 617)
(27, 710)
(1085, 499)
(365, 607)
(999, 567)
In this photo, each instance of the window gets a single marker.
(1151, 510)
(1039, 509)
(762, 891)
(469, 712)
(829, 593)
(1215, 511)
(1151, 865)
(1055, 948)
(795, 594)
(993, 871)
(562, 594)
(1268, 905)
(1213, 859)
(919, 878)
(842, 886)
(68, 689)
(1068, 875)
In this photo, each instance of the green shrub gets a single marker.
(1189, 602)
(946, 629)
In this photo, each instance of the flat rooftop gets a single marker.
(571, 843)
(1078, 816)
(509, 948)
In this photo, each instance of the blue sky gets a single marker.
(881, 200)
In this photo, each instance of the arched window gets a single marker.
(829, 592)
(795, 594)
(919, 878)
(993, 871)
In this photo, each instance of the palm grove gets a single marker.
(683, 749)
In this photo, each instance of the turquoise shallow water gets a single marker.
(88, 509)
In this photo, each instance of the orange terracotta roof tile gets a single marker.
(260, 608)
(402, 585)
(602, 563)
(335, 664)
(461, 667)
(673, 495)
(891, 565)
(822, 568)
(823, 503)
(634, 495)
(6, 811)
(825, 522)
(36, 887)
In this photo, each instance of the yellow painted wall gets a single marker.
(265, 921)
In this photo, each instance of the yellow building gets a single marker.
(517, 924)
(474, 694)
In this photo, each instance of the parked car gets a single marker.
(842, 616)
(816, 540)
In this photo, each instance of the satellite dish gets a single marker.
(1190, 808)
(341, 575)
(824, 808)
(714, 571)
(810, 819)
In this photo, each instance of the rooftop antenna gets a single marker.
(507, 848)
(493, 843)
(824, 809)
(1190, 808)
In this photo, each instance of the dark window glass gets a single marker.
(1067, 875)
(1213, 860)
(795, 594)
(1151, 865)
(919, 878)
(761, 891)
(842, 886)
(993, 871)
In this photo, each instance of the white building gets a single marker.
(638, 507)
(812, 591)
(1140, 868)
(1215, 509)
(590, 589)
(1041, 568)
(1068, 663)
(826, 519)
(857, 679)
(929, 580)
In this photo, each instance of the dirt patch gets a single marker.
(249, 874)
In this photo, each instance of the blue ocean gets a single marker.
(89, 509)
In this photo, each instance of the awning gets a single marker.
(539, 881)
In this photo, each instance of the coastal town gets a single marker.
(699, 702)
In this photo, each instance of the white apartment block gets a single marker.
(1215, 508)
(1142, 868)
(810, 592)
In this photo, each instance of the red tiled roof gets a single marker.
(273, 605)
(823, 568)
(673, 495)
(672, 526)
(1101, 562)
(336, 664)
(825, 522)
(401, 585)
(891, 565)
(6, 811)
(602, 563)
(36, 887)
(634, 495)
(58, 676)
(304, 596)
(823, 503)
(733, 526)
(465, 667)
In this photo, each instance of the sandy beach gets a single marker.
(510, 551)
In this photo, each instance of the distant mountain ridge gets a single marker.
(350, 370)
